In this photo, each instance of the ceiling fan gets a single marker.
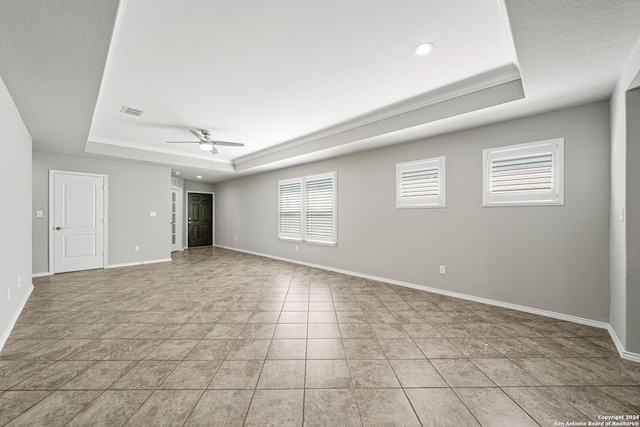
(205, 142)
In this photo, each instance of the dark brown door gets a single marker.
(200, 220)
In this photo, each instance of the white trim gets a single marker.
(5, 334)
(628, 355)
(506, 26)
(541, 312)
(186, 217)
(491, 78)
(293, 237)
(134, 146)
(635, 357)
(43, 274)
(129, 264)
(112, 46)
(179, 221)
(422, 202)
(304, 236)
(315, 239)
(553, 196)
(105, 213)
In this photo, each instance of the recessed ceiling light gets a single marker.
(177, 173)
(423, 49)
(199, 176)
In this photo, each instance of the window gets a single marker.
(307, 209)
(319, 204)
(524, 174)
(421, 184)
(290, 209)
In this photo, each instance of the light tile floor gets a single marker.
(223, 338)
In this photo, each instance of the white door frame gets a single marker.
(186, 216)
(52, 173)
(179, 220)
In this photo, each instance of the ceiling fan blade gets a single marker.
(229, 144)
(213, 150)
(197, 134)
(182, 142)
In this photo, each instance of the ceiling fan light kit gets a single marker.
(205, 142)
(206, 146)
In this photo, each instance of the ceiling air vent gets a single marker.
(131, 111)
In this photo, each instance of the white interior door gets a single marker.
(176, 219)
(78, 222)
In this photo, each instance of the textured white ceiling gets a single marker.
(296, 80)
(264, 73)
(52, 56)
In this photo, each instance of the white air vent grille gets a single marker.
(131, 111)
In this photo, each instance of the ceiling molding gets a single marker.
(113, 42)
(335, 98)
(462, 99)
(129, 150)
(136, 146)
(492, 78)
(483, 90)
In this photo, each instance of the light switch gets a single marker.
(39, 214)
(152, 213)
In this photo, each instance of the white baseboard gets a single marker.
(129, 264)
(634, 357)
(46, 273)
(5, 334)
(560, 316)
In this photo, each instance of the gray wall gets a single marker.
(552, 257)
(633, 220)
(624, 304)
(15, 215)
(199, 186)
(134, 191)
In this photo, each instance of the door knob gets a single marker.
(58, 228)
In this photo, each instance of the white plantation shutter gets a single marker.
(421, 184)
(320, 208)
(290, 209)
(530, 173)
(307, 209)
(525, 174)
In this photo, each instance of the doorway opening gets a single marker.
(200, 219)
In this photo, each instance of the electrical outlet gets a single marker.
(236, 238)
(8, 294)
(443, 269)
(152, 214)
(39, 214)
(296, 247)
(19, 279)
(137, 248)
